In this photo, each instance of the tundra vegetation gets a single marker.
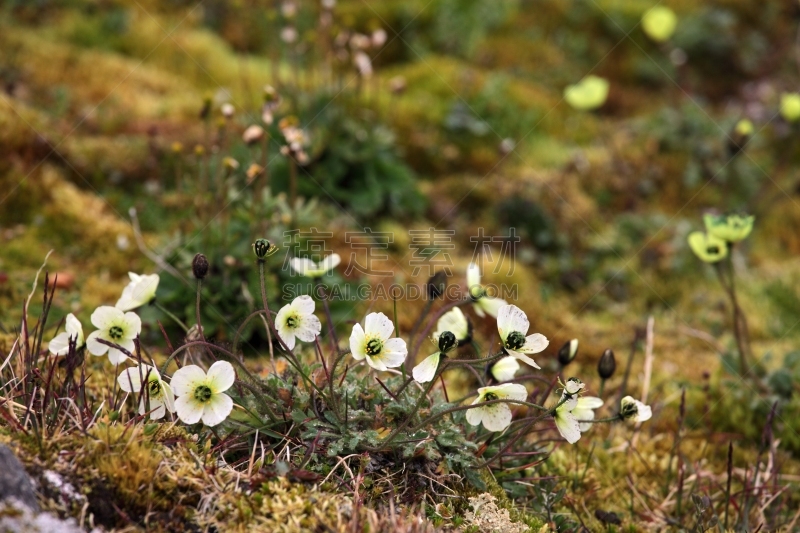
(459, 265)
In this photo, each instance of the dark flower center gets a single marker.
(489, 396)
(202, 393)
(374, 347)
(154, 387)
(712, 250)
(515, 340)
(629, 410)
(115, 332)
(292, 322)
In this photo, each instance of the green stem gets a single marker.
(170, 315)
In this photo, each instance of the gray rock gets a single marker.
(18, 518)
(14, 481)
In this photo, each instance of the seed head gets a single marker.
(446, 341)
(263, 248)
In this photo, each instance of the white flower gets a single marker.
(297, 320)
(363, 64)
(512, 324)
(72, 330)
(113, 326)
(375, 342)
(140, 291)
(584, 410)
(426, 370)
(505, 369)
(157, 392)
(253, 134)
(566, 422)
(496, 417)
(201, 395)
(482, 303)
(634, 410)
(307, 267)
(573, 386)
(455, 322)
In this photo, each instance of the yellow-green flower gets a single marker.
(744, 127)
(589, 93)
(730, 228)
(659, 23)
(790, 107)
(708, 247)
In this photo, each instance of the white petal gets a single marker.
(140, 291)
(283, 313)
(301, 265)
(574, 385)
(478, 308)
(505, 368)
(358, 343)
(475, 415)
(379, 325)
(185, 380)
(217, 409)
(116, 357)
(534, 343)
(304, 304)
(94, 347)
(395, 345)
(473, 278)
(522, 357)
(455, 322)
(392, 359)
(168, 396)
(569, 404)
(496, 417)
(73, 327)
(133, 325)
(511, 318)
(130, 379)
(377, 363)
(157, 410)
(331, 262)
(645, 413)
(492, 305)
(287, 336)
(221, 376)
(105, 316)
(589, 402)
(581, 415)
(60, 344)
(309, 328)
(189, 410)
(512, 391)
(568, 426)
(425, 371)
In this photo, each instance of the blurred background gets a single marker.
(136, 133)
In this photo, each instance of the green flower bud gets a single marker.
(607, 364)
(447, 341)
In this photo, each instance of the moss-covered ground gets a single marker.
(100, 115)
